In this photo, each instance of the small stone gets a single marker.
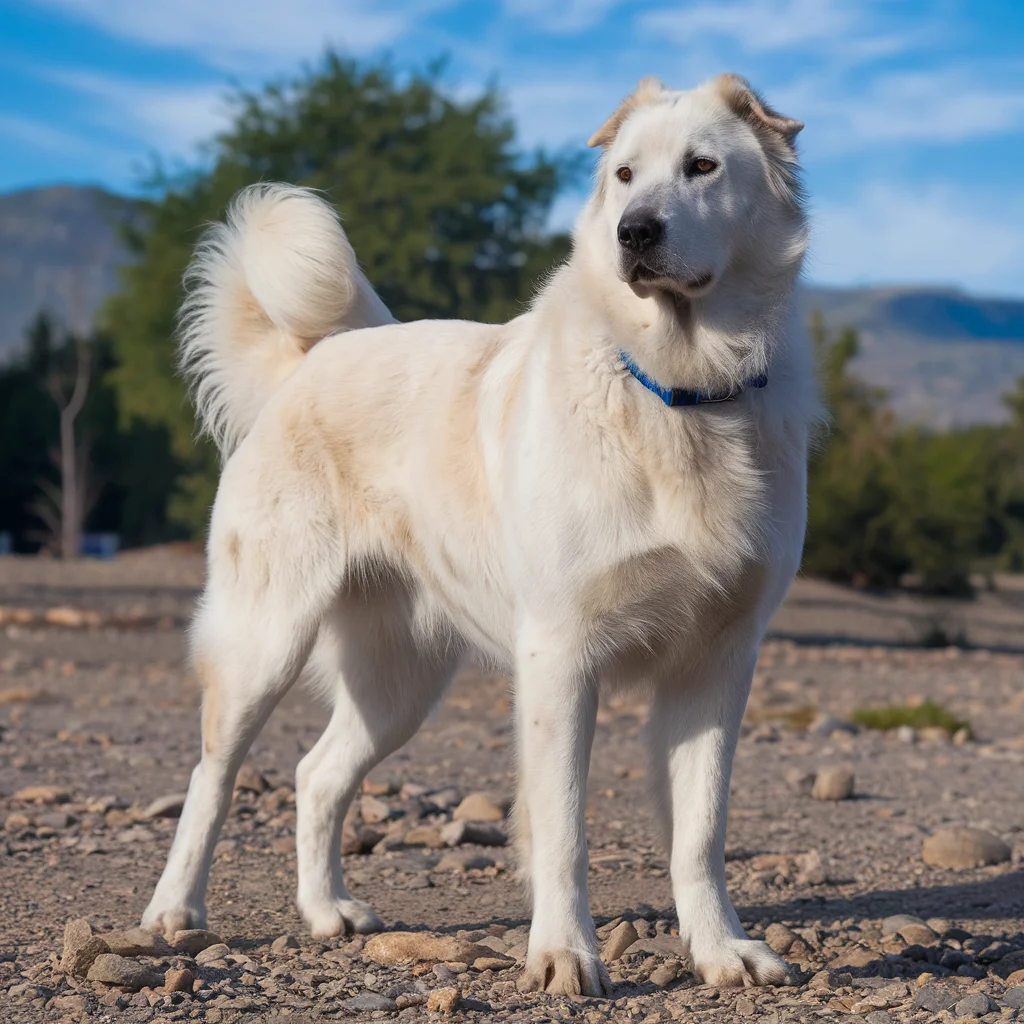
(165, 806)
(81, 948)
(136, 942)
(745, 1006)
(894, 924)
(939, 925)
(799, 781)
(283, 943)
(665, 974)
(374, 809)
(54, 820)
(779, 937)
(810, 869)
(878, 1017)
(856, 957)
(1009, 966)
(824, 724)
(359, 840)
(217, 951)
(370, 1001)
(464, 862)
(372, 788)
(962, 847)
(1014, 997)
(443, 1000)
(622, 937)
(249, 778)
(16, 821)
(398, 948)
(478, 807)
(286, 845)
(111, 969)
(445, 799)
(178, 980)
(962, 737)
(194, 940)
(78, 1005)
(455, 833)
(918, 935)
(833, 783)
(425, 835)
(934, 998)
(492, 963)
(974, 1004)
(43, 795)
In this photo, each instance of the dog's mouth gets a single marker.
(647, 276)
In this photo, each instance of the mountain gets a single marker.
(60, 249)
(944, 356)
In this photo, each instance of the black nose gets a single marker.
(639, 231)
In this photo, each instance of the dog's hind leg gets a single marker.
(271, 576)
(383, 682)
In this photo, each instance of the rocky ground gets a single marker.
(886, 867)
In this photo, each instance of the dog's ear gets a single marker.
(647, 91)
(747, 104)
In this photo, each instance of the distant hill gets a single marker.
(945, 356)
(60, 248)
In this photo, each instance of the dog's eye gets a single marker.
(624, 174)
(702, 165)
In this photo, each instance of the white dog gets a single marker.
(397, 495)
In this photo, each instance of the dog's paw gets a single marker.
(740, 962)
(168, 920)
(562, 972)
(340, 917)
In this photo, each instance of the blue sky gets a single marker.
(914, 144)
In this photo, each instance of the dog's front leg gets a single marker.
(694, 725)
(556, 709)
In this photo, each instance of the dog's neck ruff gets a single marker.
(684, 396)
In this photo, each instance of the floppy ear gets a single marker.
(647, 91)
(748, 105)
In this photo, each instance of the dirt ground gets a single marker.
(98, 718)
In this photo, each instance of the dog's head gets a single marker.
(689, 181)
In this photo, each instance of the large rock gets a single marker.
(621, 938)
(81, 947)
(194, 940)
(833, 783)
(111, 969)
(137, 942)
(477, 833)
(780, 938)
(394, 949)
(165, 806)
(962, 847)
(478, 807)
(43, 795)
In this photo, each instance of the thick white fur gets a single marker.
(398, 496)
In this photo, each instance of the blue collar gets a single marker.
(683, 396)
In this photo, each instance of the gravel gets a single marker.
(98, 725)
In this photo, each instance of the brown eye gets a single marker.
(702, 165)
(624, 174)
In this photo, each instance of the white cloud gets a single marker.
(35, 134)
(561, 16)
(254, 35)
(758, 25)
(940, 234)
(171, 118)
(940, 106)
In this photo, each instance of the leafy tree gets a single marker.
(130, 471)
(444, 212)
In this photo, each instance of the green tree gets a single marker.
(849, 535)
(445, 214)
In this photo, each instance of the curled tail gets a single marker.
(262, 289)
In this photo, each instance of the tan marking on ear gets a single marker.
(647, 91)
(749, 105)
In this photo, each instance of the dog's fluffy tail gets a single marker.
(261, 290)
